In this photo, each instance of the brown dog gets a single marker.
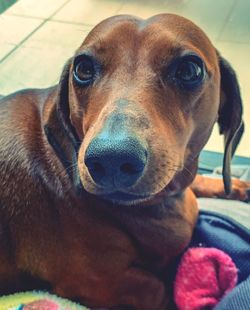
(94, 172)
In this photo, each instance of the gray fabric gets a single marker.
(237, 210)
(237, 299)
(241, 172)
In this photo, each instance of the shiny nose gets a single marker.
(115, 162)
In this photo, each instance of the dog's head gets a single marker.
(142, 97)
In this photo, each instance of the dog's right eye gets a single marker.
(187, 72)
(84, 70)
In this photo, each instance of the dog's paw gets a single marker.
(211, 188)
(240, 190)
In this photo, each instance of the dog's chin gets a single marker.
(131, 200)
(124, 199)
(121, 198)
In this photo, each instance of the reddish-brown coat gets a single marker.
(85, 248)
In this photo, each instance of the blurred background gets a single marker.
(37, 37)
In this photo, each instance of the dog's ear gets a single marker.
(62, 105)
(63, 115)
(230, 117)
(59, 127)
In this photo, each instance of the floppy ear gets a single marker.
(60, 127)
(62, 105)
(230, 117)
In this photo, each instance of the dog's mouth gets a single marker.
(125, 198)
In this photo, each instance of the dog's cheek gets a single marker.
(164, 160)
(204, 116)
(168, 141)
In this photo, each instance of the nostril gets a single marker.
(96, 168)
(128, 168)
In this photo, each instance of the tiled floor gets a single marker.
(37, 37)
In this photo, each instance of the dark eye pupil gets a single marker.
(84, 70)
(189, 71)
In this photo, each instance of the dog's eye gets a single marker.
(190, 72)
(84, 70)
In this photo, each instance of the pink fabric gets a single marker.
(204, 276)
(43, 304)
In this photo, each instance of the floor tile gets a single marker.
(13, 29)
(41, 9)
(237, 28)
(210, 18)
(207, 14)
(88, 11)
(41, 58)
(59, 34)
(5, 49)
(30, 67)
(146, 9)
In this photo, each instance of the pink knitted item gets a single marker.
(204, 276)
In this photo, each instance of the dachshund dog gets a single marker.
(95, 173)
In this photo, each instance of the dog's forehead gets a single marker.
(159, 33)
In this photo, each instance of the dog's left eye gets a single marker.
(189, 72)
(84, 70)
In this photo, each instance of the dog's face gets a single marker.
(143, 98)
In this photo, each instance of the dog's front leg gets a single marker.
(204, 186)
(141, 290)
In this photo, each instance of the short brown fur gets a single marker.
(104, 253)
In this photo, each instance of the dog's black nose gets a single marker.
(115, 163)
